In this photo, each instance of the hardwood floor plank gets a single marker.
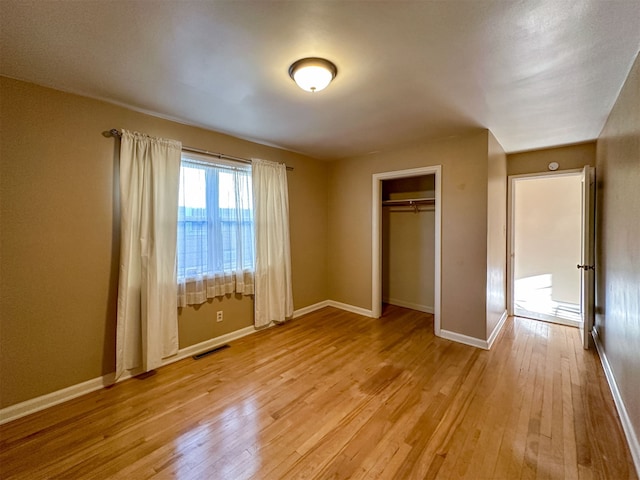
(337, 395)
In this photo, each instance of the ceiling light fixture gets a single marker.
(313, 74)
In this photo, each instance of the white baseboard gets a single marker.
(454, 336)
(473, 341)
(460, 338)
(627, 426)
(350, 308)
(412, 306)
(496, 331)
(209, 344)
(311, 308)
(33, 405)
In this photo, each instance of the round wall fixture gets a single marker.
(553, 166)
(313, 74)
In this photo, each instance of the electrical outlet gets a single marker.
(219, 316)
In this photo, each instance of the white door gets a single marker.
(587, 268)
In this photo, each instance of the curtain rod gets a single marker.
(116, 133)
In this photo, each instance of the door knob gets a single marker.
(586, 267)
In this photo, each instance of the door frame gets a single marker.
(376, 237)
(587, 255)
(512, 179)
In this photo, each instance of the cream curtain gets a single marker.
(147, 320)
(273, 290)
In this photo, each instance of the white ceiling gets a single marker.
(537, 73)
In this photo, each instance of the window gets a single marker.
(215, 219)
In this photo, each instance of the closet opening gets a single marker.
(406, 241)
(408, 223)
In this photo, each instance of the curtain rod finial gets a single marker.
(111, 133)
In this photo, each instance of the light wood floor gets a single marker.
(336, 395)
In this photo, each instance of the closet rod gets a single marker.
(116, 133)
(410, 202)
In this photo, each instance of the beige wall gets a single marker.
(618, 243)
(464, 226)
(568, 158)
(496, 233)
(60, 238)
(408, 257)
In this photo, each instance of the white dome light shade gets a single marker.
(312, 79)
(313, 74)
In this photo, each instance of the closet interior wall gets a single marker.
(408, 242)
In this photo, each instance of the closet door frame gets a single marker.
(376, 237)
